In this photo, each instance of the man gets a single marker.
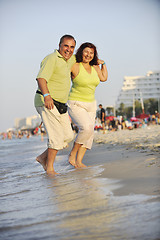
(102, 117)
(52, 94)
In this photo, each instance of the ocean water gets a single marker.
(76, 204)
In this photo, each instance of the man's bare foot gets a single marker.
(72, 161)
(42, 162)
(80, 165)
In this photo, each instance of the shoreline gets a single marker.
(119, 192)
(117, 196)
(137, 172)
(132, 157)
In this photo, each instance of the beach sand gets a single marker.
(138, 172)
(117, 197)
(132, 156)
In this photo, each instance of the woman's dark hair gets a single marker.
(79, 53)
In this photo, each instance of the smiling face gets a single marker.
(66, 48)
(87, 55)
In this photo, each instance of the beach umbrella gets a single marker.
(134, 119)
(110, 118)
(142, 116)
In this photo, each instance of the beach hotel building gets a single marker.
(27, 123)
(139, 88)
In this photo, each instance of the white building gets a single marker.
(27, 123)
(139, 87)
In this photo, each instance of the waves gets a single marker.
(76, 204)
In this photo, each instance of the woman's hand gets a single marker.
(100, 61)
(102, 71)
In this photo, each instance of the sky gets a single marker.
(125, 32)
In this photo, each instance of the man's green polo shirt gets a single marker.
(57, 72)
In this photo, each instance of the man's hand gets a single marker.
(48, 102)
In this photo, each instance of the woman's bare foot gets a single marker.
(80, 165)
(51, 173)
(71, 160)
(42, 162)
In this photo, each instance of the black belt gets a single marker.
(61, 107)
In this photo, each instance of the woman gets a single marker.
(86, 75)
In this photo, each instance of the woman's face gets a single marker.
(87, 54)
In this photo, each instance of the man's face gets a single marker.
(66, 48)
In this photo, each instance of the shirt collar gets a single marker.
(59, 55)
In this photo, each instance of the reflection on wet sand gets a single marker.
(76, 204)
(83, 198)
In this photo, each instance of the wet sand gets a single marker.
(130, 156)
(133, 156)
(138, 172)
(117, 197)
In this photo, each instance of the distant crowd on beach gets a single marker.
(112, 123)
(15, 134)
(19, 134)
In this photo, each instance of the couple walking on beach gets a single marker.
(54, 79)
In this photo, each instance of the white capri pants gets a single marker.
(58, 127)
(83, 115)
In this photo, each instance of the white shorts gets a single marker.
(83, 115)
(58, 127)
